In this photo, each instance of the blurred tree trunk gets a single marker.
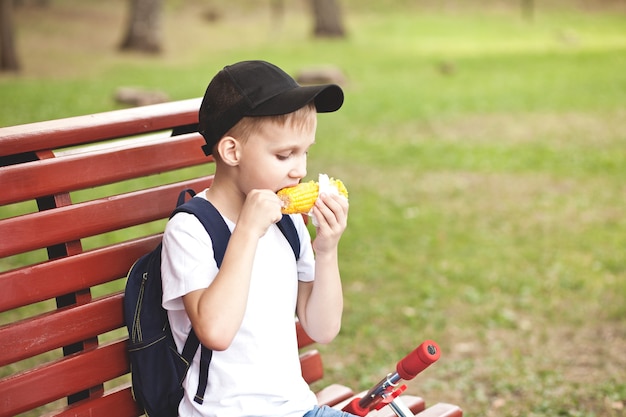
(328, 19)
(277, 12)
(8, 53)
(528, 9)
(37, 3)
(143, 32)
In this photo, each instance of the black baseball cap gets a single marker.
(257, 88)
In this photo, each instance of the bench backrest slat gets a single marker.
(55, 134)
(130, 160)
(50, 382)
(118, 402)
(303, 338)
(92, 217)
(47, 280)
(312, 366)
(67, 326)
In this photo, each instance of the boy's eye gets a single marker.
(283, 156)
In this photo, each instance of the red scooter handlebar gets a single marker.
(406, 369)
(418, 360)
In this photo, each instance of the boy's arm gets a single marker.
(320, 302)
(216, 312)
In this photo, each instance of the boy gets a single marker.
(258, 124)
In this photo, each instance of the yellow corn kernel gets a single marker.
(302, 197)
(340, 187)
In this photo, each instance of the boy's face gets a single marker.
(275, 157)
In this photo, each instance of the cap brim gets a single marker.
(328, 98)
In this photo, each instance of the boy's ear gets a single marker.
(228, 148)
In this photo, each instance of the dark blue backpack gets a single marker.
(157, 368)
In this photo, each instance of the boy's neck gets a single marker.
(226, 197)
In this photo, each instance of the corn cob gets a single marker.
(302, 197)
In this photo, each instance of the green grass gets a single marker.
(485, 157)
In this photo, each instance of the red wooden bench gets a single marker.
(62, 335)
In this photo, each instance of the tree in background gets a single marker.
(143, 31)
(328, 19)
(8, 53)
(528, 9)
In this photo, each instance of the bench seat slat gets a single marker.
(59, 328)
(70, 131)
(333, 394)
(58, 175)
(442, 410)
(414, 403)
(91, 218)
(51, 279)
(74, 373)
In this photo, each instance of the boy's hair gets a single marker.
(302, 119)
(257, 88)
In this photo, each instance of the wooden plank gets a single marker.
(312, 367)
(303, 338)
(118, 403)
(133, 159)
(75, 373)
(59, 328)
(70, 131)
(442, 410)
(65, 224)
(333, 394)
(415, 404)
(51, 279)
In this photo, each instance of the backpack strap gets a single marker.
(205, 360)
(182, 195)
(217, 228)
(288, 228)
(213, 223)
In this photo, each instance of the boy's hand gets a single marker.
(331, 212)
(260, 210)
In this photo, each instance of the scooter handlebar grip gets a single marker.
(418, 360)
(353, 407)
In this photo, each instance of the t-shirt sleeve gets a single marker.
(187, 262)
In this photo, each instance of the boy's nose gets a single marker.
(299, 169)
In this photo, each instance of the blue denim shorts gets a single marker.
(326, 411)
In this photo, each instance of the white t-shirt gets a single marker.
(259, 374)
